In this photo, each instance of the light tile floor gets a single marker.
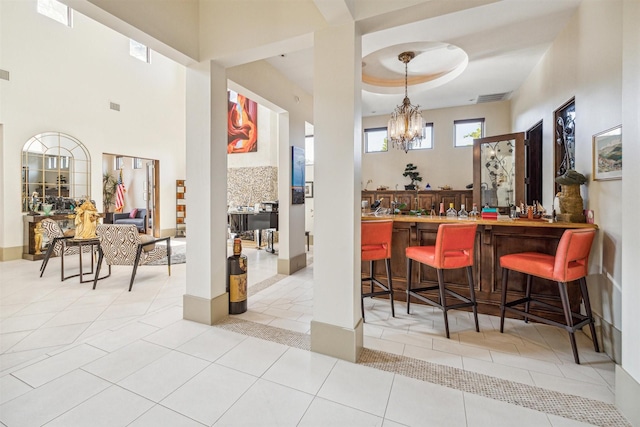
(73, 356)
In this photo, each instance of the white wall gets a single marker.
(586, 64)
(442, 165)
(62, 79)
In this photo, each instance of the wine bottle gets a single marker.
(451, 212)
(237, 279)
(474, 214)
(462, 213)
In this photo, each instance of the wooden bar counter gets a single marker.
(494, 239)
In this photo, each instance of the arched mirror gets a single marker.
(498, 170)
(56, 170)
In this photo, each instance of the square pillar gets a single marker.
(336, 328)
(206, 300)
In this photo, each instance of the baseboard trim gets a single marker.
(11, 254)
(205, 310)
(627, 392)
(291, 265)
(336, 341)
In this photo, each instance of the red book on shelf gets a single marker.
(489, 215)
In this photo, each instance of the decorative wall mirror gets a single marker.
(498, 170)
(56, 169)
(565, 146)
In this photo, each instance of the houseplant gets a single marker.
(109, 185)
(413, 174)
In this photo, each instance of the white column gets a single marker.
(628, 371)
(336, 328)
(206, 300)
(291, 247)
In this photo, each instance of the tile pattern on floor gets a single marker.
(532, 397)
(70, 355)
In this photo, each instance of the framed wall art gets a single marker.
(308, 189)
(242, 124)
(607, 154)
(297, 175)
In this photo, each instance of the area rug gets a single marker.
(178, 256)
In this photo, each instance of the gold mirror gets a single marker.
(55, 167)
(498, 170)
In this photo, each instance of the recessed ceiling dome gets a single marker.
(435, 64)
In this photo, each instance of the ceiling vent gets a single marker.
(4, 75)
(493, 97)
(114, 106)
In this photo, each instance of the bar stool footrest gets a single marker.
(584, 320)
(466, 302)
(385, 291)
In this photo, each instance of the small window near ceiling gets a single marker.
(465, 131)
(427, 138)
(56, 11)
(308, 150)
(140, 51)
(375, 140)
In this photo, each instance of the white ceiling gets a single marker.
(503, 40)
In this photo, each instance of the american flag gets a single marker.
(120, 193)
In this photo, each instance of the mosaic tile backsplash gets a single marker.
(251, 185)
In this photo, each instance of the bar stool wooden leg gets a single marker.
(408, 284)
(443, 300)
(390, 285)
(472, 295)
(564, 297)
(528, 296)
(503, 299)
(371, 265)
(587, 306)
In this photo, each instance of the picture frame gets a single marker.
(308, 189)
(607, 154)
(297, 175)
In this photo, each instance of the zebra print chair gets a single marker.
(56, 239)
(122, 245)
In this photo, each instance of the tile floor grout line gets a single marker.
(533, 397)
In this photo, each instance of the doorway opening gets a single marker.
(140, 178)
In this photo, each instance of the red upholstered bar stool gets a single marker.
(571, 262)
(376, 246)
(454, 248)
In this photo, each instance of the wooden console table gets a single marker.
(66, 222)
(494, 239)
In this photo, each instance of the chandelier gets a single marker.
(405, 125)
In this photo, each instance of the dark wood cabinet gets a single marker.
(425, 199)
(29, 250)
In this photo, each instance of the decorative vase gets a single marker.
(571, 204)
(46, 208)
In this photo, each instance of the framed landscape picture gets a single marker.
(607, 154)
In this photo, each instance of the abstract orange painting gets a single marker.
(242, 125)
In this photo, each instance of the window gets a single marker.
(56, 11)
(140, 51)
(375, 140)
(308, 150)
(465, 131)
(427, 138)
